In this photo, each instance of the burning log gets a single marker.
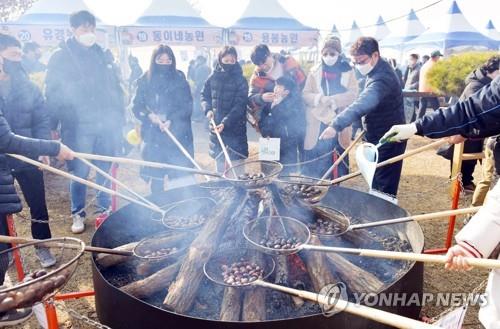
(183, 290)
(318, 267)
(150, 285)
(356, 278)
(254, 302)
(231, 304)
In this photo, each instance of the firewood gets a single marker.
(154, 283)
(231, 304)
(357, 279)
(183, 290)
(318, 267)
(254, 301)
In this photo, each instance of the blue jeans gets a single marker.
(95, 143)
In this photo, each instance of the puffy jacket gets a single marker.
(169, 96)
(82, 90)
(260, 83)
(225, 93)
(11, 143)
(25, 112)
(476, 80)
(476, 116)
(381, 103)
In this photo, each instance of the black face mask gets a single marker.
(164, 69)
(11, 67)
(228, 67)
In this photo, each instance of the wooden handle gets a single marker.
(392, 160)
(183, 150)
(119, 183)
(21, 240)
(439, 214)
(440, 259)
(144, 163)
(343, 155)
(82, 181)
(221, 142)
(374, 314)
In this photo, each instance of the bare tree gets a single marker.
(12, 9)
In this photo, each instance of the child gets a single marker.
(284, 118)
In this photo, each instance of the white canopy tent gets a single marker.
(411, 28)
(273, 26)
(47, 23)
(173, 22)
(380, 30)
(354, 34)
(491, 31)
(452, 33)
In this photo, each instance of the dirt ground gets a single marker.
(424, 188)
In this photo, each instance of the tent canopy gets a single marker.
(380, 29)
(273, 26)
(411, 29)
(171, 13)
(52, 12)
(453, 31)
(354, 34)
(491, 31)
(275, 17)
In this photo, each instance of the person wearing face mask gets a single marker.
(284, 119)
(31, 58)
(85, 98)
(270, 67)
(25, 112)
(10, 203)
(224, 98)
(330, 87)
(381, 105)
(163, 101)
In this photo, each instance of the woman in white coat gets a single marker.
(330, 87)
(479, 238)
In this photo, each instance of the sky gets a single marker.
(320, 14)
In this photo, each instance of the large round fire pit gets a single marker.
(131, 293)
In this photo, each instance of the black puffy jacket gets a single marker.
(25, 112)
(168, 96)
(381, 103)
(11, 143)
(226, 93)
(82, 90)
(476, 116)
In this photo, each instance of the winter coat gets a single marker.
(480, 237)
(11, 143)
(83, 92)
(317, 113)
(476, 80)
(168, 96)
(285, 121)
(225, 93)
(476, 116)
(412, 77)
(261, 83)
(25, 112)
(380, 103)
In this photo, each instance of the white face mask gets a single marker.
(330, 60)
(364, 69)
(87, 39)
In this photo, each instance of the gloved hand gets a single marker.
(402, 132)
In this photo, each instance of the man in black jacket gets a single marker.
(84, 95)
(9, 201)
(24, 111)
(381, 105)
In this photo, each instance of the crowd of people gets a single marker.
(312, 114)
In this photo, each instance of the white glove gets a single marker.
(400, 132)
